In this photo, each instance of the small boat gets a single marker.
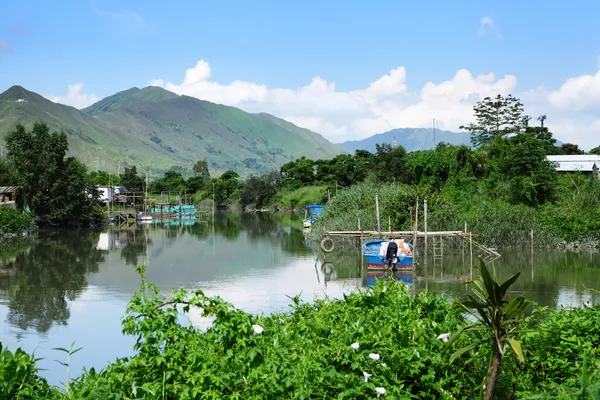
(375, 252)
(310, 214)
(143, 218)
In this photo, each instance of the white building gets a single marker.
(586, 163)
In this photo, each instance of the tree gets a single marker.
(496, 117)
(570, 149)
(520, 162)
(57, 189)
(496, 320)
(131, 180)
(391, 163)
(595, 150)
(104, 178)
(201, 169)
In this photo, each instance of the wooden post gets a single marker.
(328, 195)
(471, 251)
(390, 225)
(414, 250)
(532, 240)
(425, 222)
(377, 212)
(359, 223)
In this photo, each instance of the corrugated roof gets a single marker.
(8, 189)
(574, 163)
(575, 158)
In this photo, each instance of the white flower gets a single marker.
(444, 337)
(258, 329)
(367, 376)
(355, 346)
(374, 356)
(383, 364)
(379, 391)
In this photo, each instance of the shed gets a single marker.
(586, 163)
(9, 195)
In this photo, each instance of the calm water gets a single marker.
(75, 286)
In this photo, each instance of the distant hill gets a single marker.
(412, 139)
(154, 128)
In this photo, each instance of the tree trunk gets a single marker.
(494, 371)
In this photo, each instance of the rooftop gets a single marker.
(573, 163)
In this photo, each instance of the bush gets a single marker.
(14, 223)
(18, 376)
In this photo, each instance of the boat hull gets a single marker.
(375, 261)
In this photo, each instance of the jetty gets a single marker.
(411, 236)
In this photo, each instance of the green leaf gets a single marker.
(515, 345)
(465, 349)
(504, 287)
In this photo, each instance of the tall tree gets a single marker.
(201, 169)
(58, 190)
(131, 180)
(494, 118)
(595, 150)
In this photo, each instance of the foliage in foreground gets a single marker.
(14, 223)
(379, 340)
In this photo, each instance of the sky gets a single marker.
(346, 70)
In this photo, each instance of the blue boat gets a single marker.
(376, 260)
(310, 214)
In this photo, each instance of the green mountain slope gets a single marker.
(154, 128)
(129, 98)
(89, 140)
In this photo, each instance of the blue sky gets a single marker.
(107, 46)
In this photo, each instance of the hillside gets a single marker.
(412, 139)
(154, 128)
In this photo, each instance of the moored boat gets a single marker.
(375, 252)
(310, 214)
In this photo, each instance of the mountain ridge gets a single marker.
(152, 127)
(412, 139)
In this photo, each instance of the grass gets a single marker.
(297, 199)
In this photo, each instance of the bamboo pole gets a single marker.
(416, 230)
(377, 212)
(425, 222)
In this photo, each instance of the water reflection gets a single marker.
(45, 277)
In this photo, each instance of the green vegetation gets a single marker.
(156, 129)
(380, 342)
(57, 190)
(14, 223)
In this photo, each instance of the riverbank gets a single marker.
(354, 346)
(567, 224)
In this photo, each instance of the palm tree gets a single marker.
(541, 118)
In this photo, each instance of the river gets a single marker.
(74, 286)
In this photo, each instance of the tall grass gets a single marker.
(495, 222)
(15, 223)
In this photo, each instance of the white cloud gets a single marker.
(384, 104)
(573, 109)
(75, 97)
(126, 19)
(488, 26)
(581, 93)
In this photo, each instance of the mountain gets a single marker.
(154, 128)
(412, 139)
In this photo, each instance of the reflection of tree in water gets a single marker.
(228, 225)
(135, 246)
(259, 225)
(53, 272)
